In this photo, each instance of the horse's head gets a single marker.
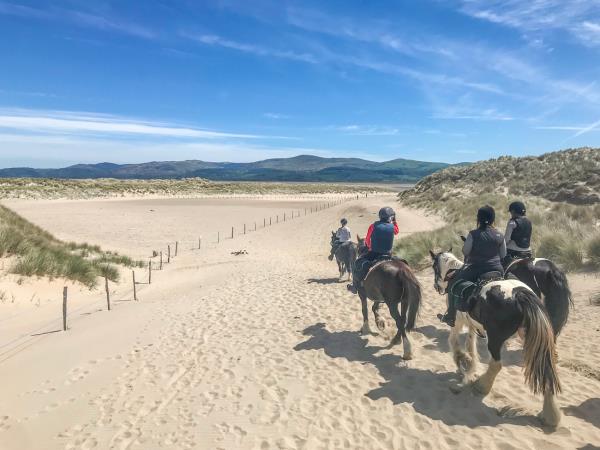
(362, 247)
(444, 264)
(332, 238)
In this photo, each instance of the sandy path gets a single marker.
(261, 352)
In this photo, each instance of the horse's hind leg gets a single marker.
(400, 320)
(366, 329)
(378, 319)
(484, 383)
(473, 356)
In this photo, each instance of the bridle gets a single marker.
(436, 271)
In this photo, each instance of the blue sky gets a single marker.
(240, 80)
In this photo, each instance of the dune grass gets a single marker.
(567, 234)
(47, 188)
(35, 252)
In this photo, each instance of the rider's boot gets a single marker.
(450, 317)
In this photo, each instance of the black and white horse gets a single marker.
(345, 255)
(549, 283)
(501, 309)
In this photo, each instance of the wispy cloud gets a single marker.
(32, 121)
(276, 116)
(576, 17)
(78, 18)
(579, 129)
(214, 40)
(366, 130)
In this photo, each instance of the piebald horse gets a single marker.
(501, 309)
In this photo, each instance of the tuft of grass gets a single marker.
(38, 253)
(567, 234)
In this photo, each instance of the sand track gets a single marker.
(261, 351)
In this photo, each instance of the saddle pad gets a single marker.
(460, 291)
(516, 262)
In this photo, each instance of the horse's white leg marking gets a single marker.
(485, 382)
(453, 341)
(408, 353)
(551, 414)
(472, 352)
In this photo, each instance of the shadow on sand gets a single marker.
(334, 280)
(589, 411)
(427, 391)
(440, 338)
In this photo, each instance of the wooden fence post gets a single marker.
(176, 247)
(270, 221)
(264, 222)
(168, 254)
(218, 237)
(107, 292)
(244, 228)
(254, 226)
(231, 232)
(277, 218)
(65, 308)
(284, 217)
(160, 267)
(134, 286)
(150, 272)
(199, 243)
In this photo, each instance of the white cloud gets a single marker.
(367, 130)
(214, 40)
(270, 115)
(32, 121)
(576, 17)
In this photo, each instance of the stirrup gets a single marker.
(445, 319)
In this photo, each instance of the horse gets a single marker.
(393, 283)
(549, 283)
(501, 308)
(345, 256)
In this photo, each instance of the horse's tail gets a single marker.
(539, 349)
(412, 295)
(557, 297)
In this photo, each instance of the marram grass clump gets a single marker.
(35, 252)
(569, 235)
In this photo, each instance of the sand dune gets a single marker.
(261, 351)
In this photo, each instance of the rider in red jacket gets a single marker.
(372, 227)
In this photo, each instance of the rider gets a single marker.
(483, 249)
(342, 235)
(518, 234)
(379, 240)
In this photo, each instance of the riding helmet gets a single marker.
(343, 222)
(518, 207)
(486, 215)
(386, 213)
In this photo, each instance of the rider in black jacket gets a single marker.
(483, 250)
(518, 233)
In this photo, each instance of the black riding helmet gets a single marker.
(518, 207)
(386, 213)
(343, 222)
(486, 215)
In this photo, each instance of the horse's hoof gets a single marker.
(479, 388)
(552, 421)
(407, 357)
(456, 388)
(380, 324)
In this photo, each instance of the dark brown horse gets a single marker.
(393, 283)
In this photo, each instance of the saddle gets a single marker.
(463, 293)
(384, 258)
(517, 262)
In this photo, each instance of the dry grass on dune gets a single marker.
(46, 188)
(571, 175)
(567, 234)
(35, 252)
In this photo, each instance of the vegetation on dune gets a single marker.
(35, 252)
(571, 176)
(568, 234)
(49, 188)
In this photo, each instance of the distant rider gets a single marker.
(484, 249)
(380, 241)
(518, 234)
(343, 234)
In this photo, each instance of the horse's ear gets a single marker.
(450, 250)
(432, 254)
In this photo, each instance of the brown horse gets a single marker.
(393, 283)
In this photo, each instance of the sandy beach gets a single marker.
(260, 350)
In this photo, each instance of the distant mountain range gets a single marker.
(297, 168)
